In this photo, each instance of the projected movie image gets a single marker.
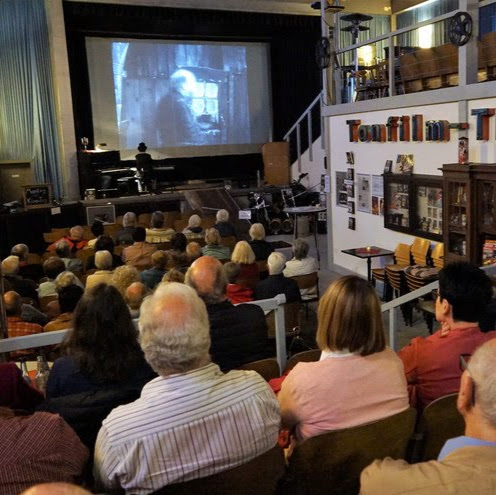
(181, 95)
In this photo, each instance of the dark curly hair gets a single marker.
(104, 341)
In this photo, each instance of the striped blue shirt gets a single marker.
(186, 426)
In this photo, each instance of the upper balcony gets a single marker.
(436, 52)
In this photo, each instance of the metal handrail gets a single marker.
(303, 115)
(56, 337)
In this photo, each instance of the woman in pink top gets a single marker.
(357, 380)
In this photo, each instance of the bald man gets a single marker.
(192, 421)
(134, 296)
(16, 326)
(238, 333)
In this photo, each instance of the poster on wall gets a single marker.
(377, 195)
(364, 193)
(341, 194)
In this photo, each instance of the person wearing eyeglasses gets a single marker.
(465, 464)
(431, 364)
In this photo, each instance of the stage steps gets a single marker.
(209, 201)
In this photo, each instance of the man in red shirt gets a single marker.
(432, 364)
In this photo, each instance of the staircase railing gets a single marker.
(305, 120)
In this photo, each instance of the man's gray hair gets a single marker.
(21, 251)
(222, 216)
(10, 265)
(129, 219)
(300, 249)
(103, 260)
(67, 278)
(174, 329)
(481, 368)
(276, 263)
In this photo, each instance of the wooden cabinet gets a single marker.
(469, 207)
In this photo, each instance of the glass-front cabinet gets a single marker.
(470, 212)
(414, 204)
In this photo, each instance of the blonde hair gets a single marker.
(212, 236)
(349, 318)
(257, 232)
(243, 253)
(123, 277)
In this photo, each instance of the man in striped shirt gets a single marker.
(193, 420)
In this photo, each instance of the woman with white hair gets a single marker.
(223, 226)
(103, 274)
(74, 240)
(260, 246)
(194, 225)
(214, 247)
(302, 264)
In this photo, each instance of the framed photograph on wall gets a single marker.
(351, 207)
(104, 214)
(37, 196)
(351, 223)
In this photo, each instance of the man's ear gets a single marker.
(445, 307)
(464, 402)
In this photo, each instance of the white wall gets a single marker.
(482, 151)
(370, 159)
(314, 168)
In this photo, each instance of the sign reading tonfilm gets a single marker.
(406, 128)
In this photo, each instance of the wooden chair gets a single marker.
(170, 218)
(331, 463)
(393, 274)
(144, 220)
(266, 368)
(292, 312)
(208, 222)
(263, 269)
(84, 254)
(229, 241)
(260, 476)
(180, 224)
(420, 250)
(119, 220)
(439, 422)
(308, 281)
(437, 256)
(33, 259)
(302, 357)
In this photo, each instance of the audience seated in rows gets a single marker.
(63, 251)
(178, 257)
(139, 254)
(33, 271)
(192, 420)
(74, 240)
(123, 277)
(302, 264)
(276, 282)
(16, 326)
(466, 463)
(214, 247)
(243, 255)
(103, 243)
(104, 273)
(52, 267)
(222, 224)
(154, 275)
(102, 367)
(63, 280)
(97, 230)
(157, 232)
(238, 333)
(129, 224)
(135, 294)
(236, 293)
(36, 448)
(68, 298)
(357, 380)
(431, 364)
(194, 225)
(24, 287)
(260, 246)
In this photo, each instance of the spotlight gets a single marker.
(334, 7)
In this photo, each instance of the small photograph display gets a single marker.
(351, 223)
(430, 209)
(104, 214)
(404, 164)
(489, 252)
(364, 193)
(350, 157)
(351, 207)
(341, 193)
(398, 207)
(388, 168)
(350, 174)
